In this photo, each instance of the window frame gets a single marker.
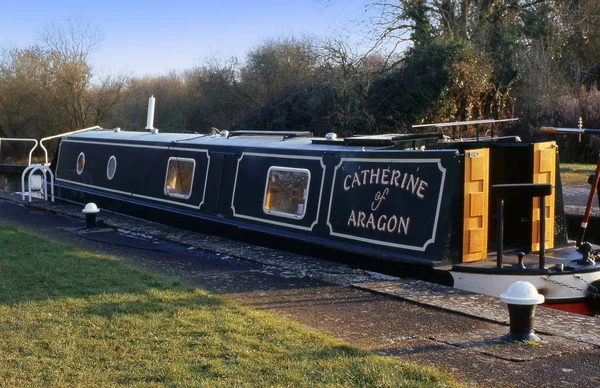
(82, 158)
(108, 175)
(294, 216)
(177, 195)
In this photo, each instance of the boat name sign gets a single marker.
(396, 204)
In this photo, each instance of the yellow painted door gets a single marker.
(544, 171)
(475, 205)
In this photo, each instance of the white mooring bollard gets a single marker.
(522, 299)
(90, 211)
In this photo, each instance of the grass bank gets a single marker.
(575, 174)
(69, 317)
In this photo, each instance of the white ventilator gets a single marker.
(150, 120)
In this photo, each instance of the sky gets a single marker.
(156, 37)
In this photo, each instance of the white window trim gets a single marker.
(283, 214)
(110, 178)
(175, 195)
(81, 156)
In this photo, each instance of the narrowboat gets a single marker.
(477, 214)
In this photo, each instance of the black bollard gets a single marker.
(521, 323)
(522, 299)
(90, 211)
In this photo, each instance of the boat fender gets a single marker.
(35, 182)
(522, 299)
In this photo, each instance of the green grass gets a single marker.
(72, 318)
(575, 174)
(578, 167)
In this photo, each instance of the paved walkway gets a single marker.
(576, 200)
(409, 319)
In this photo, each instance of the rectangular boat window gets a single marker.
(286, 192)
(180, 176)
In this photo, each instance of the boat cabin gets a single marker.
(406, 198)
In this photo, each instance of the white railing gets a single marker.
(61, 135)
(41, 185)
(19, 139)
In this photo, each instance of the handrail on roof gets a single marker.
(471, 122)
(62, 135)
(287, 134)
(21, 139)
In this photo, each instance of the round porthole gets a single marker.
(111, 168)
(80, 163)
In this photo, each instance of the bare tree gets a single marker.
(350, 75)
(396, 23)
(107, 95)
(76, 94)
(73, 40)
(68, 48)
(219, 95)
(24, 111)
(277, 64)
(50, 87)
(172, 103)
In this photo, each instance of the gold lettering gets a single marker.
(403, 225)
(395, 176)
(384, 176)
(412, 183)
(352, 219)
(346, 184)
(371, 221)
(361, 219)
(375, 176)
(364, 174)
(422, 187)
(381, 223)
(356, 180)
(404, 180)
(391, 226)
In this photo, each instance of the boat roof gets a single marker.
(262, 139)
